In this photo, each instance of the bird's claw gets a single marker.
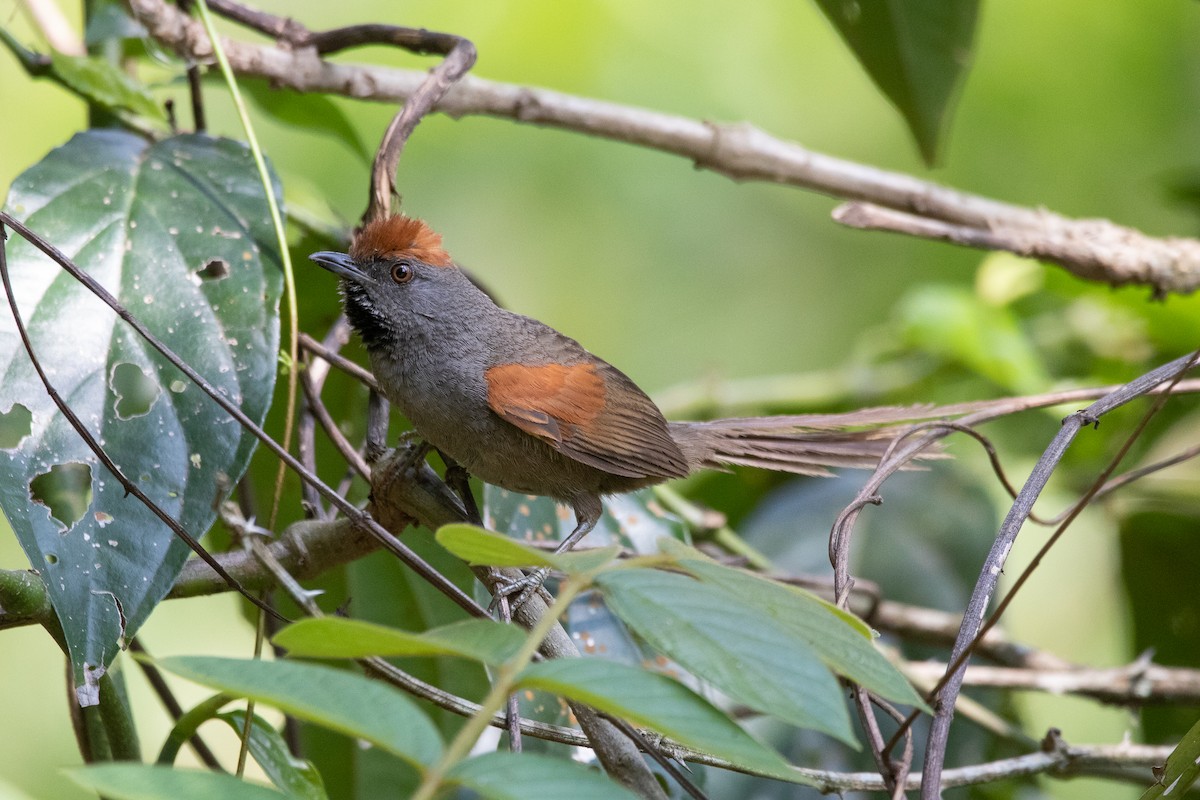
(523, 588)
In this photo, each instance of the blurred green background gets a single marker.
(682, 276)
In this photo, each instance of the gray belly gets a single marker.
(451, 413)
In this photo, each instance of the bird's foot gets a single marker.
(522, 589)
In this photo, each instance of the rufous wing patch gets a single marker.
(570, 408)
(547, 401)
(399, 236)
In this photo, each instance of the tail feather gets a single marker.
(806, 445)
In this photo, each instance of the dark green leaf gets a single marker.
(1159, 570)
(103, 83)
(150, 222)
(512, 776)
(724, 640)
(336, 637)
(342, 701)
(296, 777)
(311, 112)
(657, 702)
(836, 636)
(152, 782)
(916, 52)
(109, 19)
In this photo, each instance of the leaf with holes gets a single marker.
(179, 231)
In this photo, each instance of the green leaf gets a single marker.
(336, 637)
(657, 702)
(103, 83)
(478, 546)
(296, 777)
(916, 52)
(512, 776)
(179, 231)
(335, 699)
(724, 640)
(152, 782)
(841, 640)
(1182, 768)
(1158, 570)
(957, 325)
(310, 112)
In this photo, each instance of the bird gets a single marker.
(526, 408)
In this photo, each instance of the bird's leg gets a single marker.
(588, 509)
(458, 479)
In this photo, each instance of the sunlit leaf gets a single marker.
(105, 84)
(958, 326)
(478, 546)
(152, 782)
(335, 699)
(337, 637)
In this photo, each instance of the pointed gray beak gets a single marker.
(341, 265)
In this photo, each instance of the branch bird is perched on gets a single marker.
(521, 406)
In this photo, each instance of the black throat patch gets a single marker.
(364, 316)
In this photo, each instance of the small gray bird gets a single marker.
(523, 407)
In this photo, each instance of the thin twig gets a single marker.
(316, 372)
(440, 79)
(335, 359)
(976, 610)
(660, 758)
(330, 427)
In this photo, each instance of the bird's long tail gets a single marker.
(806, 444)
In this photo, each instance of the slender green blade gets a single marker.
(153, 782)
(336, 637)
(335, 699)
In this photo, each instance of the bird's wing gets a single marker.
(589, 411)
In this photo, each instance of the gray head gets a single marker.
(395, 272)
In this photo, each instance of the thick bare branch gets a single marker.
(1093, 249)
(1137, 684)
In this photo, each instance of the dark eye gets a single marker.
(403, 272)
